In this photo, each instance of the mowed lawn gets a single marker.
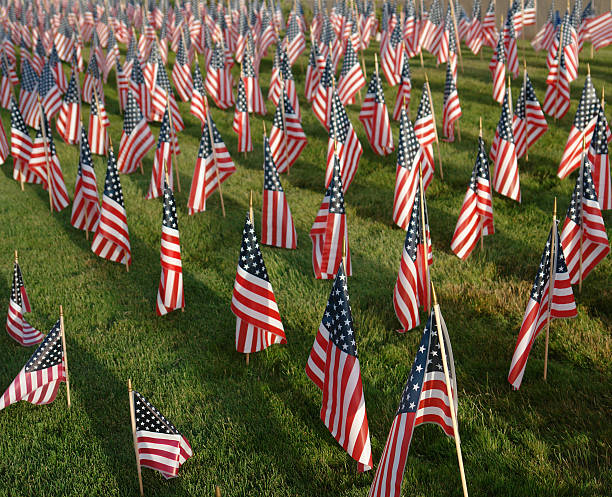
(255, 430)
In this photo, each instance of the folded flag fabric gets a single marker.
(16, 325)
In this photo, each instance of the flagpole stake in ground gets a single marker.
(217, 491)
(133, 421)
(551, 284)
(63, 332)
(449, 390)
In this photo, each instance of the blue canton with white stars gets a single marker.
(504, 127)
(170, 218)
(481, 167)
(588, 107)
(543, 275)
(112, 185)
(72, 94)
(271, 180)
(340, 121)
(148, 418)
(584, 189)
(335, 193)
(599, 142)
(49, 353)
(408, 144)
(241, 103)
(132, 114)
(414, 234)
(250, 258)
(338, 319)
(425, 105)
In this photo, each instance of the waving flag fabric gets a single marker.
(69, 117)
(584, 239)
(333, 366)
(277, 227)
(424, 400)
(181, 74)
(321, 105)
(425, 131)
(535, 120)
(40, 378)
(503, 154)
(497, 66)
(599, 158)
(254, 97)
(219, 81)
(98, 122)
(86, 204)
(50, 94)
(541, 308)
(170, 292)
(452, 108)
(16, 325)
(404, 90)
(351, 77)
(139, 87)
(241, 125)
(476, 216)
(112, 239)
(136, 138)
(159, 444)
(166, 148)
(21, 143)
(197, 106)
(287, 138)
(258, 322)
(375, 118)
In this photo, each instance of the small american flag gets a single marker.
(295, 41)
(541, 309)
(69, 117)
(321, 105)
(534, 117)
(39, 380)
(497, 66)
(409, 156)
(136, 138)
(313, 73)
(160, 445)
(16, 325)
(277, 227)
(392, 55)
(476, 216)
(344, 142)
(510, 44)
(5, 84)
(474, 38)
(86, 204)
(58, 70)
(63, 40)
(28, 94)
(170, 293)
(197, 106)
(181, 74)
(4, 147)
(161, 96)
(92, 79)
(254, 97)
(219, 82)
(375, 118)
(258, 322)
(582, 129)
(451, 110)
(599, 158)
(333, 366)
(404, 90)
(21, 143)
(241, 125)
(488, 25)
(123, 85)
(97, 133)
(139, 87)
(49, 92)
(112, 239)
(287, 138)
(424, 400)
(544, 37)
(584, 239)
(212, 167)
(163, 155)
(112, 54)
(351, 77)
(503, 154)
(412, 285)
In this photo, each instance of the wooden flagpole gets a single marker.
(174, 139)
(217, 491)
(63, 332)
(551, 283)
(449, 390)
(43, 128)
(133, 420)
(212, 146)
(424, 230)
(433, 115)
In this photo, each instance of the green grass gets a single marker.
(255, 430)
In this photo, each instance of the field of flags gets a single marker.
(273, 219)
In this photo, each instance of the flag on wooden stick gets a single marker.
(16, 325)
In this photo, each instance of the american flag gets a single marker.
(497, 66)
(241, 125)
(351, 77)
(277, 227)
(584, 239)
(489, 30)
(313, 73)
(160, 445)
(28, 94)
(545, 36)
(333, 366)
(510, 44)
(86, 205)
(123, 85)
(286, 81)
(503, 154)
(534, 117)
(39, 380)
(344, 142)
(6, 85)
(45, 164)
(392, 55)
(476, 216)
(375, 118)
(92, 80)
(97, 133)
(197, 107)
(112, 54)
(162, 95)
(582, 129)
(49, 92)
(21, 143)
(404, 90)
(58, 70)
(287, 138)
(254, 97)
(212, 167)
(451, 111)
(16, 325)
(136, 138)
(130, 56)
(412, 285)
(598, 155)
(329, 233)
(425, 131)
(424, 400)
(258, 322)
(601, 30)
(163, 155)
(170, 292)
(139, 87)
(219, 82)
(519, 125)
(409, 156)
(69, 117)
(474, 39)
(529, 13)
(181, 74)
(151, 66)
(112, 239)
(295, 41)
(63, 40)
(4, 147)
(540, 309)
(321, 105)
(77, 56)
